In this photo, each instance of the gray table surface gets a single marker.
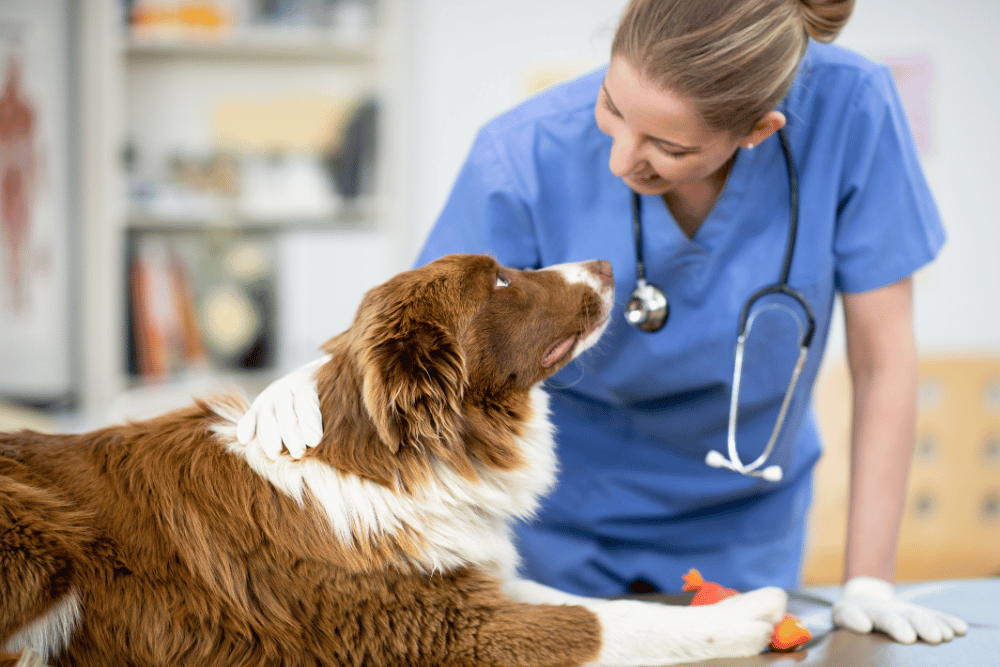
(977, 601)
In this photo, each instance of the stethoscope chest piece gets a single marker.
(647, 308)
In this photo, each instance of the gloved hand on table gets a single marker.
(868, 604)
(286, 413)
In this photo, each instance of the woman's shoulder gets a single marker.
(835, 86)
(829, 71)
(820, 55)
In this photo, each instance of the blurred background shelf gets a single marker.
(267, 44)
(236, 188)
(353, 220)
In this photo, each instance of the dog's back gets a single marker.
(116, 541)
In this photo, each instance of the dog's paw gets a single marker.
(638, 633)
(735, 627)
(766, 604)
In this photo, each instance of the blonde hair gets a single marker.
(734, 59)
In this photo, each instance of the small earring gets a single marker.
(749, 147)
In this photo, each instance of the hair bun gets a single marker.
(824, 19)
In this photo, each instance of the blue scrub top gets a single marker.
(636, 415)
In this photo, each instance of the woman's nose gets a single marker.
(625, 154)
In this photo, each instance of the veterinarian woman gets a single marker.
(694, 114)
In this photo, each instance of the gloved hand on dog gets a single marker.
(868, 604)
(286, 414)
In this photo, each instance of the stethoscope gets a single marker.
(648, 308)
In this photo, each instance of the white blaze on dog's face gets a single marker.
(535, 322)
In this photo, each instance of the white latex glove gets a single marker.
(867, 604)
(286, 413)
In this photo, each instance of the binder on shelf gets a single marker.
(149, 351)
(165, 330)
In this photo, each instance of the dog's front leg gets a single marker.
(644, 634)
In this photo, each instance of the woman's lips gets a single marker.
(644, 182)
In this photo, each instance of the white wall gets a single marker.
(958, 297)
(469, 62)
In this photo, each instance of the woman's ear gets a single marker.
(765, 127)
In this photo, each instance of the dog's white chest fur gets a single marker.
(459, 522)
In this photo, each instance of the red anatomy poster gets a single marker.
(35, 229)
(17, 182)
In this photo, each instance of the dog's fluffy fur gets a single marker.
(166, 542)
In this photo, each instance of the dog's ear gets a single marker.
(413, 382)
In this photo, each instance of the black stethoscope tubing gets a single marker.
(640, 266)
(781, 286)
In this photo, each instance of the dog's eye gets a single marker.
(501, 282)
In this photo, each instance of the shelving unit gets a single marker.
(354, 220)
(157, 95)
(266, 44)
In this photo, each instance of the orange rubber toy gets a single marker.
(789, 633)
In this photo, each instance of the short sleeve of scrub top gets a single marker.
(636, 416)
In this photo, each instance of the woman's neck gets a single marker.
(690, 203)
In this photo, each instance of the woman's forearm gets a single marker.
(883, 361)
(881, 448)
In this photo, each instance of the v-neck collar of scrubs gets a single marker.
(660, 228)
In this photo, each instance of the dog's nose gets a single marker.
(602, 268)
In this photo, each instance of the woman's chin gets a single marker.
(651, 186)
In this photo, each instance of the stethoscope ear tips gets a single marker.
(771, 473)
(717, 460)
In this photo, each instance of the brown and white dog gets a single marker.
(167, 542)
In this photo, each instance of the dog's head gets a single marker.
(465, 335)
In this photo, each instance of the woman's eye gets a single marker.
(501, 281)
(611, 107)
(672, 153)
